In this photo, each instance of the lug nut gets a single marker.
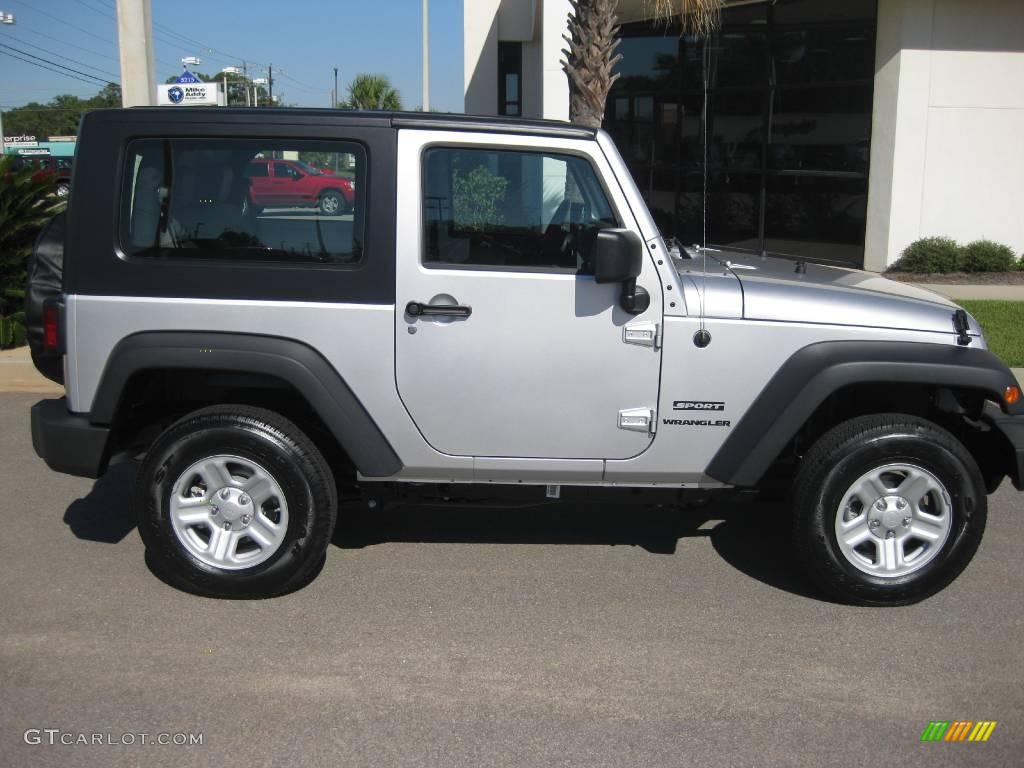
(901, 504)
(243, 499)
(906, 522)
(227, 526)
(246, 519)
(225, 493)
(214, 510)
(873, 524)
(890, 534)
(879, 504)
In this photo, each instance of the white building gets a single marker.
(839, 130)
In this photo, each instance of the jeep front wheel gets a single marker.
(889, 509)
(234, 501)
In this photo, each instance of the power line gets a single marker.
(54, 63)
(23, 28)
(67, 23)
(41, 66)
(62, 56)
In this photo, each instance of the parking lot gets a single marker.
(553, 636)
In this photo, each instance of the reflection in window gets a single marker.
(243, 200)
(494, 208)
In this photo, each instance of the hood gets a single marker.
(801, 292)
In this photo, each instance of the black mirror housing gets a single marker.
(616, 255)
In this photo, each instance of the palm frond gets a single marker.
(697, 17)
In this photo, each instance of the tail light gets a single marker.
(51, 326)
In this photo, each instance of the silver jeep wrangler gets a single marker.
(494, 312)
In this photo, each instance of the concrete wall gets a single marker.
(539, 25)
(947, 152)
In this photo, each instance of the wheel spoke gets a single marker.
(870, 489)
(264, 533)
(891, 554)
(927, 530)
(215, 473)
(193, 513)
(259, 487)
(857, 532)
(914, 488)
(220, 543)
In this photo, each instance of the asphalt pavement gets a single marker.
(552, 636)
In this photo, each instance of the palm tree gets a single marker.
(372, 92)
(593, 38)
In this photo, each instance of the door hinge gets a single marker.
(643, 334)
(638, 420)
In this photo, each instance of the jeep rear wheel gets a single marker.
(234, 501)
(889, 509)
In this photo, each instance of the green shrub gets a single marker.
(1020, 263)
(12, 330)
(988, 256)
(932, 254)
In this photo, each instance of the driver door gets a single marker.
(530, 358)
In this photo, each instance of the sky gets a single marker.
(303, 41)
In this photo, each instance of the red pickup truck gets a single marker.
(293, 183)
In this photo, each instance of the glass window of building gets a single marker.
(790, 89)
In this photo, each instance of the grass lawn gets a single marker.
(1003, 323)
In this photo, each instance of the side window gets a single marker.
(495, 208)
(284, 171)
(201, 199)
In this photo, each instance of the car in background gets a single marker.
(293, 183)
(47, 165)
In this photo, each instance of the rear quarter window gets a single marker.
(214, 200)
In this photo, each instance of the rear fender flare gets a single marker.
(289, 360)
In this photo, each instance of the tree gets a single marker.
(590, 59)
(372, 92)
(60, 116)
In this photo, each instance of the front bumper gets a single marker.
(68, 442)
(1012, 428)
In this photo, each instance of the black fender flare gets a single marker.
(287, 359)
(816, 371)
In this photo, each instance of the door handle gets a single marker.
(419, 309)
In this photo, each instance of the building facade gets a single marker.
(836, 130)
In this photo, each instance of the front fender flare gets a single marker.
(814, 372)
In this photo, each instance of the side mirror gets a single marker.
(617, 257)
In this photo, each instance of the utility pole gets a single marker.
(426, 55)
(135, 40)
(245, 78)
(270, 83)
(334, 105)
(7, 18)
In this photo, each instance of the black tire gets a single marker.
(332, 203)
(854, 448)
(272, 442)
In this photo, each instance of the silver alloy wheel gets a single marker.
(229, 512)
(330, 203)
(63, 190)
(893, 520)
